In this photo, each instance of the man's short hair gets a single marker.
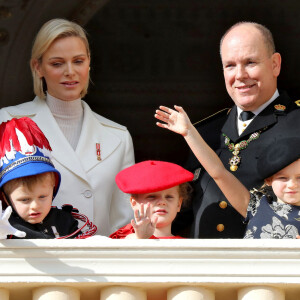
(265, 32)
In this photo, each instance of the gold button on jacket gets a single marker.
(223, 204)
(220, 227)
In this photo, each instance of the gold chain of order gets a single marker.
(235, 160)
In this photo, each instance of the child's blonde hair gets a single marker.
(184, 190)
(28, 181)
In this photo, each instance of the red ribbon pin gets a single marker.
(98, 151)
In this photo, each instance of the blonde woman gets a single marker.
(88, 149)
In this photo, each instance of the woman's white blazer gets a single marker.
(87, 183)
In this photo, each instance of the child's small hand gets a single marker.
(5, 227)
(174, 120)
(143, 225)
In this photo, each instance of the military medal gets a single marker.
(98, 151)
(235, 160)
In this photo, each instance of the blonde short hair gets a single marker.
(50, 32)
(28, 181)
(184, 191)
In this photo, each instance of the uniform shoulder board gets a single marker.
(297, 102)
(214, 116)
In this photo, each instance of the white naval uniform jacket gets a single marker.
(86, 183)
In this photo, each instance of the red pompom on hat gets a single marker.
(151, 176)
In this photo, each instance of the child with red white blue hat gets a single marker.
(157, 189)
(29, 182)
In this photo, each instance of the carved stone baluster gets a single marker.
(4, 294)
(261, 293)
(122, 293)
(191, 293)
(56, 292)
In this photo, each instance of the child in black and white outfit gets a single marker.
(274, 211)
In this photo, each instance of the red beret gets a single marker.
(151, 176)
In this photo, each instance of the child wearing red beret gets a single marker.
(157, 190)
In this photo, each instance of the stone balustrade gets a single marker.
(105, 269)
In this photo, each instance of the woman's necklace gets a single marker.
(235, 160)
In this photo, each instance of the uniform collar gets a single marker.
(265, 118)
(241, 124)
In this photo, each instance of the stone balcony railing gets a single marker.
(149, 269)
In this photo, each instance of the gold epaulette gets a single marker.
(217, 114)
(297, 102)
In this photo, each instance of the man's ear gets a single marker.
(276, 64)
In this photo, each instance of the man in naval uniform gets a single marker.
(261, 113)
